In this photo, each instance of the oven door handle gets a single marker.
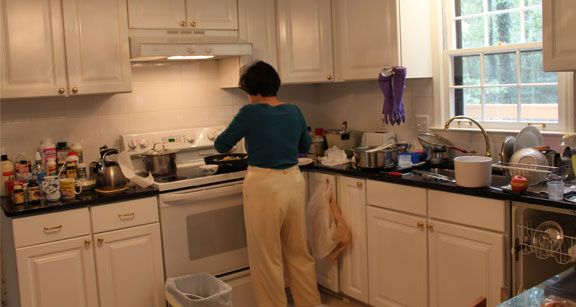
(175, 198)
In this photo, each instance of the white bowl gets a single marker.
(208, 169)
(473, 171)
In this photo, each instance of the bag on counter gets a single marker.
(328, 234)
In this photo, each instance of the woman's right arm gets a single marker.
(236, 130)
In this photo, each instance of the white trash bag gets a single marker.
(199, 290)
(320, 222)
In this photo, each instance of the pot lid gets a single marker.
(431, 139)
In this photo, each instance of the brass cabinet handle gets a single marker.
(430, 227)
(183, 23)
(193, 24)
(126, 216)
(52, 229)
(359, 185)
(74, 90)
(329, 77)
(61, 91)
(100, 241)
(420, 225)
(87, 243)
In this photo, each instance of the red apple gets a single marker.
(519, 183)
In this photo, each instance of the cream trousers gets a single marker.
(274, 208)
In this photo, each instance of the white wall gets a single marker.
(163, 97)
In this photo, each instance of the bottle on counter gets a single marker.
(7, 168)
(34, 192)
(48, 151)
(318, 141)
(18, 197)
(38, 170)
(82, 172)
(61, 154)
(51, 167)
(72, 165)
(77, 148)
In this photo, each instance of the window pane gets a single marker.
(470, 32)
(466, 70)
(532, 2)
(496, 5)
(533, 25)
(504, 29)
(467, 102)
(531, 68)
(468, 7)
(500, 68)
(539, 103)
(501, 103)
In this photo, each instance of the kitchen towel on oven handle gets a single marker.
(328, 233)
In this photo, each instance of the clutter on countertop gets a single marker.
(334, 156)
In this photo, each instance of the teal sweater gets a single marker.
(274, 135)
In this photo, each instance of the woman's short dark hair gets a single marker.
(259, 78)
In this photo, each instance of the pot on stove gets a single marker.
(160, 162)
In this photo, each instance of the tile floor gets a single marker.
(333, 301)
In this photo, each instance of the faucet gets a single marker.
(486, 139)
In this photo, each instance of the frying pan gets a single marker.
(227, 163)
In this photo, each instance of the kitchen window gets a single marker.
(493, 66)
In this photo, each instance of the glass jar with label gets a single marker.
(18, 195)
(34, 192)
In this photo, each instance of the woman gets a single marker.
(274, 200)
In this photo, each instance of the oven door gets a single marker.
(203, 230)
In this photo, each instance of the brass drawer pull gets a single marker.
(52, 229)
(127, 216)
(420, 226)
(100, 241)
(87, 243)
(359, 185)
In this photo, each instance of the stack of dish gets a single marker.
(527, 160)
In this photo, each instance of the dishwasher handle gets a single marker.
(185, 197)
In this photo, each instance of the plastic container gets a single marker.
(404, 160)
(72, 165)
(473, 171)
(7, 168)
(199, 290)
(77, 148)
(555, 190)
(48, 150)
(51, 167)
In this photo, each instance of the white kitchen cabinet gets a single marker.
(559, 43)
(364, 38)
(37, 61)
(353, 272)
(465, 264)
(257, 25)
(183, 14)
(326, 270)
(398, 259)
(58, 274)
(414, 37)
(129, 266)
(305, 41)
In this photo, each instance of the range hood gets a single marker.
(168, 45)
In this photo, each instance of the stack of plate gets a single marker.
(527, 161)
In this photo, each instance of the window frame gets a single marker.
(445, 35)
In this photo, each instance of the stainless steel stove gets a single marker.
(193, 145)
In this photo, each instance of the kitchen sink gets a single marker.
(497, 180)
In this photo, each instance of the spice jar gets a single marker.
(34, 192)
(72, 165)
(18, 195)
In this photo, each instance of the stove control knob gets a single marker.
(133, 144)
(211, 135)
(144, 143)
(190, 138)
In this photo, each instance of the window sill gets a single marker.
(498, 131)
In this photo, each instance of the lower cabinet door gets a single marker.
(465, 264)
(58, 274)
(129, 266)
(397, 259)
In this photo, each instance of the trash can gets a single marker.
(198, 290)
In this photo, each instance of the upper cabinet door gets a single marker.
(305, 41)
(365, 38)
(559, 41)
(32, 49)
(212, 14)
(97, 46)
(415, 37)
(154, 14)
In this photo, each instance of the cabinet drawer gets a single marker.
(467, 210)
(51, 227)
(396, 197)
(124, 214)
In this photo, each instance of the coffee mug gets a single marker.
(51, 188)
(69, 187)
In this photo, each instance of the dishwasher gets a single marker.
(544, 243)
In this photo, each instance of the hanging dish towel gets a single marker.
(392, 82)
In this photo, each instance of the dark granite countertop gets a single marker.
(417, 181)
(86, 198)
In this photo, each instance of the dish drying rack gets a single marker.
(533, 172)
(565, 253)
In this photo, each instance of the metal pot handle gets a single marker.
(158, 143)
